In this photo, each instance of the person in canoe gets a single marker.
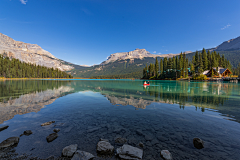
(148, 83)
(145, 83)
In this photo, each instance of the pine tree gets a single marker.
(200, 69)
(156, 68)
(204, 59)
(161, 67)
(196, 62)
(165, 65)
(209, 60)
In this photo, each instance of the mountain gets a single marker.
(130, 64)
(136, 54)
(30, 53)
(127, 67)
(232, 44)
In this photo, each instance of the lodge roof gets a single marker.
(220, 70)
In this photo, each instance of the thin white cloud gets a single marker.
(86, 11)
(154, 52)
(23, 1)
(166, 50)
(159, 53)
(225, 27)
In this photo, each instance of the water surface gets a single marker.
(164, 115)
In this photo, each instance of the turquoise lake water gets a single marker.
(164, 115)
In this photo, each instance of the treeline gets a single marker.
(236, 71)
(14, 68)
(180, 67)
(121, 76)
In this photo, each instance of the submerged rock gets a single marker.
(120, 140)
(9, 142)
(3, 128)
(47, 123)
(198, 143)
(51, 137)
(82, 155)
(141, 144)
(129, 152)
(93, 129)
(68, 129)
(56, 130)
(165, 154)
(69, 150)
(27, 133)
(104, 147)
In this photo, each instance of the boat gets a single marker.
(146, 84)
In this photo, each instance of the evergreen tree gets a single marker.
(165, 65)
(161, 67)
(204, 59)
(200, 69)
(209, 60)
(156, 68)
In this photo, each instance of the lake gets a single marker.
(166, 115)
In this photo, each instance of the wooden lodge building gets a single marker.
(219, 71)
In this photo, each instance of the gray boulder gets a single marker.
(82, 155)
(198, 143)
(47, 123)
(129, 152)
(165, 154)
(3, 128)
(51, 137)
(9, 142)
(69, 150)
(104, 147)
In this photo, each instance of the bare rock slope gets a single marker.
(30, 53)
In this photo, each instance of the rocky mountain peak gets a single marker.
(137, 53)
(29, 53)
(232, 44)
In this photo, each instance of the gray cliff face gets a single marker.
(232, 44)
(137, 53)
(29, 53)
(32, 102)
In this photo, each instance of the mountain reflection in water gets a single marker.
(25, 96)
(21, 97)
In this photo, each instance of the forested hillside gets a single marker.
(233, 56)
(121, 68)
(133, 68)
(14, 68)
(181, 67)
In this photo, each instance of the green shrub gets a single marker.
(153, 77)
(199, 77)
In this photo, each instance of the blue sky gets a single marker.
(88, 31)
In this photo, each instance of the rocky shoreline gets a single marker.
(104, 148)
